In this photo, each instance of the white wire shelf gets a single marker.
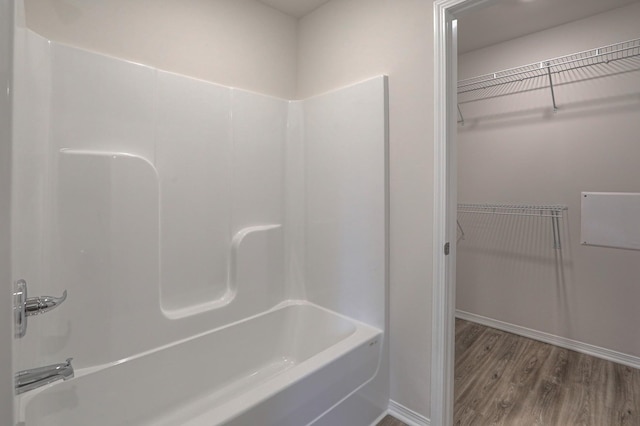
(553, 211)
(514, 209)
(547, 68)
(600, 55)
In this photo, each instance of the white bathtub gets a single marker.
(284, 367)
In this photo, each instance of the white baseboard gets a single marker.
(379, 419)
(563, 342)
(406, 415)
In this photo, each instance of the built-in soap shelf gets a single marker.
(101, 153)
(248, 267)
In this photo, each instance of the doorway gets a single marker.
(446, 203)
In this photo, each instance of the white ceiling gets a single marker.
(507, 19)
(500, 21)
(295, 8)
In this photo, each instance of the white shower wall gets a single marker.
(120, 160)
(168, 206)
(343, 212)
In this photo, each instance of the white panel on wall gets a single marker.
(257, 267)
(105, 240)
(294, 209)
(346, 146)
(102, 103)
(30, 155)
(193, 150)
(611, 219)
(31, 161)
(259, 128)
(102, 232)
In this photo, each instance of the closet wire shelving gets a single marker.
(553, 211)
(547, 68)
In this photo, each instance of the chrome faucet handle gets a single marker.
(24, 307)
(42, 304)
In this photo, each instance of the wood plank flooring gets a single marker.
(390, 421)
(505, 379)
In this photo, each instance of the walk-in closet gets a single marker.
(548, 243)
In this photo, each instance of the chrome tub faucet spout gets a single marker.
(27, 380)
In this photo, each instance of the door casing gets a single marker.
(445, 204)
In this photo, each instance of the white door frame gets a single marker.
(445, 205)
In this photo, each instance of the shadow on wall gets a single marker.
(518, 250)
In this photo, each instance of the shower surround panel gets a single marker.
(172, 208)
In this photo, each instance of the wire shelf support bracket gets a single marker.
(554, 212)
(553, 94)
(461, 121)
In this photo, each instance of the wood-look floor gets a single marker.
(505, 379)
(390, 421)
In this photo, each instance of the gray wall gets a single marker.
(514, 149)
(6, 375)
(239, 43)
